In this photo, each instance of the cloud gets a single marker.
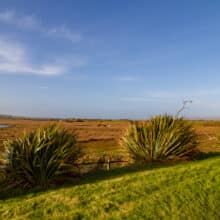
(7, 16)
(22, 22)
(14, 59)
(30, 22)
(197, 95)
(64, 32)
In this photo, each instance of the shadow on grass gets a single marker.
(205, 155)
(97, 176)
(87, 178)
(100, 175)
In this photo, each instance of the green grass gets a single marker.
(184, 191)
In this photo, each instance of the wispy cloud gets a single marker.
(15, 59)
(22, 22)
(64, 32)
(31, 22)
(165, 95)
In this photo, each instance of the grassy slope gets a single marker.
(185, 191)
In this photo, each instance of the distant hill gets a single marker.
(9, 117)
(23, 117)
(3, 116)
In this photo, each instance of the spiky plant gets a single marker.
(40, 157)
(162, 138)
(2, 171)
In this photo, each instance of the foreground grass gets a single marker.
(185, 191)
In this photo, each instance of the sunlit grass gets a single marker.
(184, 191)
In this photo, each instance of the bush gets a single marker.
(162, 138)
(40, 157)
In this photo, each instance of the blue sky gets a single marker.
(109, 59)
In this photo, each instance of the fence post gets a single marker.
(108, 164)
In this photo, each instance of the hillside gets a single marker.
(184, 191)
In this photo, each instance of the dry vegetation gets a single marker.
(101, 137)
(96, 137)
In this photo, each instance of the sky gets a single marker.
(109, 58)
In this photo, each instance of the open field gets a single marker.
(184, 191)
(95, 137)
(181, 190)
(100, 137)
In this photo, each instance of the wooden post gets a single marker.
(108, 164)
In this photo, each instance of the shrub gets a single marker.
(162, 138)
(40, 157)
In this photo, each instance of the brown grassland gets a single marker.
(97, 138)
(102, 137)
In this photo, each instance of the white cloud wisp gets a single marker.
(14, 59)
(30, 22)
